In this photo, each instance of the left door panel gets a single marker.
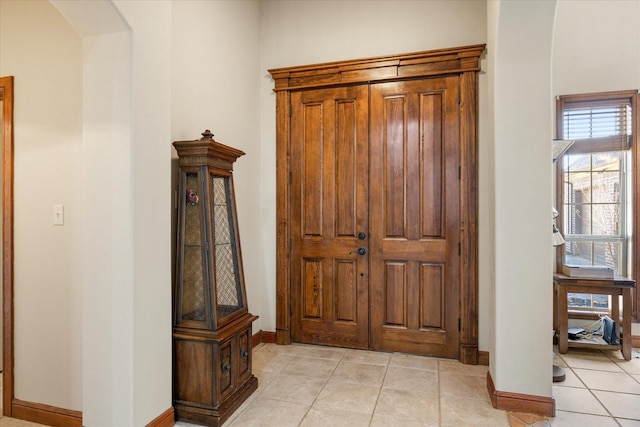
(329, 216)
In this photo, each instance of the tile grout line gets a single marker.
(384, 377)
(439, 392)
(571, 368)
(321, 388)
(253, 397)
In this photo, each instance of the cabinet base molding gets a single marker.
(166, 419)
(45, 414)
(518, 402)
(216, 417)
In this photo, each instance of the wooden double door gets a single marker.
(375, 216)
(377, 203)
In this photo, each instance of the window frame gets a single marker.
(605, 144)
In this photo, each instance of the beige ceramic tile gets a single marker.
(558, 361)
(317, 417)
(323, 352)
(571, 379)
(525, 420)
(608, 381)
(269, 413)
(311, 367)
(405, 405)
(577, 400)
(455, 367)
(382, 421)
(411, 380)
(283, 349)
(572, 419)
(470, 387)
(240, 409)
(367, 357)
(13, 422)
(456, 411)
(269, 364)
(359, 373)
(349, 397)
(620, 405)
(631, 366)
(415, 362)
(293, 388)
(595, 360)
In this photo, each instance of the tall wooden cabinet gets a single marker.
(211, 321)
(377, 203)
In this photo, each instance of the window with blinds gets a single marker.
(595, 193)
(599, 124)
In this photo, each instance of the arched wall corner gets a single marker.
(521, 97)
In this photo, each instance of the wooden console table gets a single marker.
(562, 285)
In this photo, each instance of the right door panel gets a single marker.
(414, 216)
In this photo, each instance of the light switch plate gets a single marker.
(58, 214)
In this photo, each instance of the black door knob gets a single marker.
(362, 235)
(362, 251)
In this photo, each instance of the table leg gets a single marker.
(626, 323)
(615, 312)
(563, 319)
(555, 309)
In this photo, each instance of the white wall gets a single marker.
(522, 127)
(596, 49)
(92, 131)
(215, 85)
(107, 229)
(171, 77)
(596, 46)
(196, 65)
(44, 54)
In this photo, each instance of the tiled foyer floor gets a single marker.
(301, 385)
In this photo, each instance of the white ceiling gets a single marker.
(91, 17)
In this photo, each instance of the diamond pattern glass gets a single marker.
(227, 273)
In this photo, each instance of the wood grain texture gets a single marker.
(166, 419)
(45, 414)
(417, 180)
(6, 90)
(414, 263)
(211, 324)
(328, 194)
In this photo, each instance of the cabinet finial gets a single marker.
(207, 134)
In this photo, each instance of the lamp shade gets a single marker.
(557, 237)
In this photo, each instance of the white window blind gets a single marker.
(601, 125)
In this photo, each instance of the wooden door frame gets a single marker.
(6, 84)
(462, 61)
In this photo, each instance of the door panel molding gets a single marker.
(462, 62)
(329, 184)
(414, 149)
